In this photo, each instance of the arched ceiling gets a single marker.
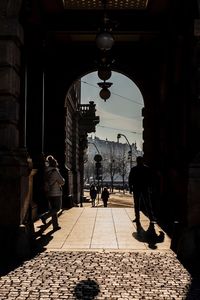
(141, 28)
(79, 20)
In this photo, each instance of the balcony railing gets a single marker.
(88, 119)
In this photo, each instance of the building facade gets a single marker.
(120, 156)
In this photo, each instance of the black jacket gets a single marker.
(105, 195)
(140, 178)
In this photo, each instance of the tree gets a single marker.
(112, 167)
(123, 165)
(89, 171)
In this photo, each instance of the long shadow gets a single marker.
(86, 289)
(38, 241)
(152, 238)
(41, 242)
(41, 238)
(149, 236)
(10, 262)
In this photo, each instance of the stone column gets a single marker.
(15, 167)
(189, 244)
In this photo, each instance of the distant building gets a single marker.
(117, 158)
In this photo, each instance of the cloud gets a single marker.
(115, 120)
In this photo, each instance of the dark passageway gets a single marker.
(45, 48)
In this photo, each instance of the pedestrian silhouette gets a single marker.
(140, 183)
(104, 196)
(53, 188)
(86, 290)
(93, 194)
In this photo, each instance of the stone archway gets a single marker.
(163, 67)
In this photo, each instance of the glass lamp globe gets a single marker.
(104, 94)
(104, 41)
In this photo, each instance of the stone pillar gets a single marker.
(82, 154)
(15, 166)
(75, 168)
(194, 193)
(189, 243)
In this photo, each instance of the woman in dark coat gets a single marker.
(104, 196)
(93, 194)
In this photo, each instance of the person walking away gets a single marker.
(104, 196)
(93, 194)
(53, 188)
(140, 183)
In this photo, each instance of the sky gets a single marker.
(121, 113)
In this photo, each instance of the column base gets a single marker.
(16, 243)
(15, 214)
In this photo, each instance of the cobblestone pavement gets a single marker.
(99, 275)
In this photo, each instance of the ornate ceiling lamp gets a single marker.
(104, 73)
(104, 39)
(105, 42)
(105, 93)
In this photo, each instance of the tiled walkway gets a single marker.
(104, 228)
(100, 254)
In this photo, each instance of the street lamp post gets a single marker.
(98, 159)
(118, 137)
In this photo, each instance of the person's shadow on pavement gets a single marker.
(149, 236)
(86, 289)
(41, 241)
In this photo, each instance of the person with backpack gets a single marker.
(53, 182)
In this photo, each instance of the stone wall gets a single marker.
(14, 164)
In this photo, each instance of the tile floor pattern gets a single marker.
(98, 275)
(99, 254)
(100, 228)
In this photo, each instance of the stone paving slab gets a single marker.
(99, 275)
(99, 254)
(102, 228)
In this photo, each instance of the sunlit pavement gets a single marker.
(99, 253)
(97, 275)
(85, 228)
(117, 199)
